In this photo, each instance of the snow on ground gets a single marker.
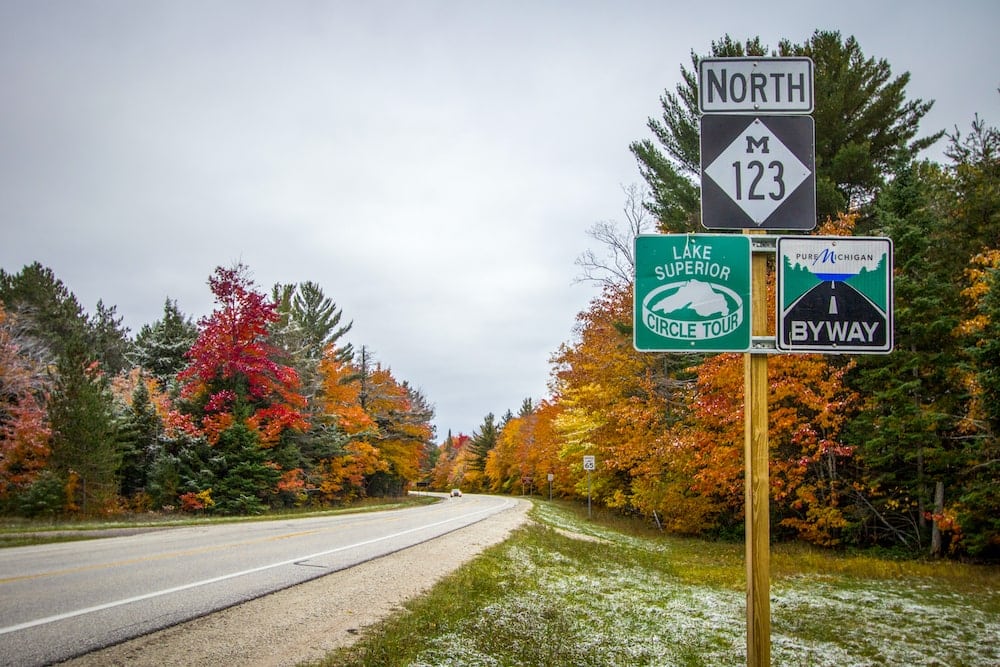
(606, 611)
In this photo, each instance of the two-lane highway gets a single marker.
(62, 600)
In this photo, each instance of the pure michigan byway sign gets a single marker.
(834, 294)
(692, 293)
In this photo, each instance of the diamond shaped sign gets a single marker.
(758, 172)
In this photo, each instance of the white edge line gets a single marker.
(205, 582)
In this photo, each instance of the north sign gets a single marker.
(758, 172)
(835, 294)
(692, 293)
(755, 85)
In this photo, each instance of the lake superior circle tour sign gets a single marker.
(692, 293)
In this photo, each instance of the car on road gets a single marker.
(456, 493)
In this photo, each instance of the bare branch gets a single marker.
(616, 264)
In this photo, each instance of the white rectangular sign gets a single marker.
(755, 85)
(589, 463)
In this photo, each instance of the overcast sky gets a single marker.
(434, 166)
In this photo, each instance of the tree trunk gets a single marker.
(938, 508)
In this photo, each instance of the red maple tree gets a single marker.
(232, 374)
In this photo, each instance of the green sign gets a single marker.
(835, 294)
(692, 293)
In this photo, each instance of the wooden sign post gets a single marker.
(756, 484)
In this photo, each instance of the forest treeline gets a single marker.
(897, 451)
(262, 404)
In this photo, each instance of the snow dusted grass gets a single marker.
(627, 596)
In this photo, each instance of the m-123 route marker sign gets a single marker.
(757, 143)
(758, 172)
(835, 294)
(692, 293)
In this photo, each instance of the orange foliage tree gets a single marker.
(385, 424)
(527, 452)
(449, 471)
(24, 428)
(613, 400)
(667, 430)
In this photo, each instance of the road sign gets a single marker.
(834, 294)
(589, 463)
(755, 85)
(692, 293)
(758, 172)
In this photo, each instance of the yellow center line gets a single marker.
(146, 559)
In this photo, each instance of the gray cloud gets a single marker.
(433, 165)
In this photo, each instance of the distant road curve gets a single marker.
(62, 600)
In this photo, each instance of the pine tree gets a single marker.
(161, 347)
(140, 441)
(108, 339)
(85, 449)
(483, 441)
(923, 456)
(46, 309)
(862, 123)
(973, 508)
(308, 323)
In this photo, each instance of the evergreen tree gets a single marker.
(240, 479)
(140, 442)
(902, 432)
(483, 441)
(915, 437)
(527, 408)
(108, 339)
(85, 450)
(862, 123)
(308, 323)
(319, 318)
(46, 309)
(161, 348)
(975, 503)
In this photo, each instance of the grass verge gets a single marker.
(15, 532)
(566, 590)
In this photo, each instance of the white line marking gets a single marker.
(213, 580)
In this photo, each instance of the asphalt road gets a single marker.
(62, 600)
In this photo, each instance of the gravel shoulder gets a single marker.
(304, 622)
